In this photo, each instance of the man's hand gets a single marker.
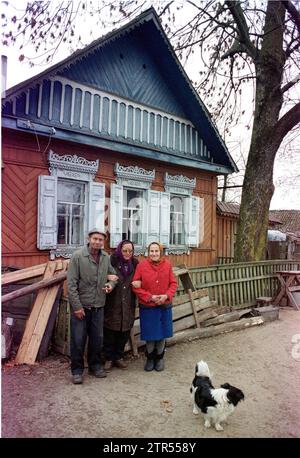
(136, 283)
(79, 314)
(107, 288)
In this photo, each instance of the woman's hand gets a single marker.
(112, 277)
(162, 299)
(136, 283)
(159, 299)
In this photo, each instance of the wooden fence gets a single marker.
(240, 283)
(228, 284)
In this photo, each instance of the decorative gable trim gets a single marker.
(72, 166)
(66, 103)
(179, 184)
(134, 176)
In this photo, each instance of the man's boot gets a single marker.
(159, 362)
(149, 366)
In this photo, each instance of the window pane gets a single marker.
(77, 224)
(70, 192)
(132, 216)
(77, 230)
(63, 229)
(176, 204)
(78, 210)
(176, 221)
(70, 212)
(133, 198)
(63, 209)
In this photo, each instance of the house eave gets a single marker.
(120, 147)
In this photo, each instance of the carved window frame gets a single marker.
(181, 186)
(75, 168)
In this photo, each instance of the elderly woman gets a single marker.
(119, 310)
(155, 285)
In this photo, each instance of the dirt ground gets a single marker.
(40, 401)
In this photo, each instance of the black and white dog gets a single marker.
(215, 404)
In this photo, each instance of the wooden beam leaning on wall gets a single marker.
(38, 319)
(183, 273)
(29, 272)
(45, 283)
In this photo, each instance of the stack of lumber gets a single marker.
(54, 273)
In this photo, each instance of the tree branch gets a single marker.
(243, 31)
(293, 12)
(286, 124)
(165, 8)
(236, 48)
(290, 84)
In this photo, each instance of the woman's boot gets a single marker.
(159, 362)
(149, 366)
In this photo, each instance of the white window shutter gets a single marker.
(165, 218)
(153, 200)
(96, 205)
(116, 211)
(192, 207)
(201, 220)
(47, 213)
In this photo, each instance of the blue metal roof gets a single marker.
(127, 88)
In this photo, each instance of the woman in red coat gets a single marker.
(155, 290)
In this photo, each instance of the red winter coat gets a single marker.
(156, 279)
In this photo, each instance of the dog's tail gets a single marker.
(202, 369)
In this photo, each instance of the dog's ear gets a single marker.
(196, 368)
(226, 386)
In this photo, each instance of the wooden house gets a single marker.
(227, 219)
(289, 248)
(114, 136)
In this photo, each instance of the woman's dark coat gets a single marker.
(119, 310)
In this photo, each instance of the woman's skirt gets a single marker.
(156, 323)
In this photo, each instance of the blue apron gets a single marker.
(156, 322)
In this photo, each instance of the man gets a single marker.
(88, 274)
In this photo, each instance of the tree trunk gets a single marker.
(258, 185)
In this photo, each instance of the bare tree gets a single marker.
(245, 50)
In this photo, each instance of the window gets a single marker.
(141, 214)
(132, 215)
(186, 214)
(130, 201)
(71, 203)
(177, 235)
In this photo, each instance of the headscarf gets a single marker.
(161, 249)
(126, 265)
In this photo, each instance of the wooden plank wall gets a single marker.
(25, 158)
(226, 233)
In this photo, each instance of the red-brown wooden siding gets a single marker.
(226, 230)
(25, 158)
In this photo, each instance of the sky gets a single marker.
(287, 163)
